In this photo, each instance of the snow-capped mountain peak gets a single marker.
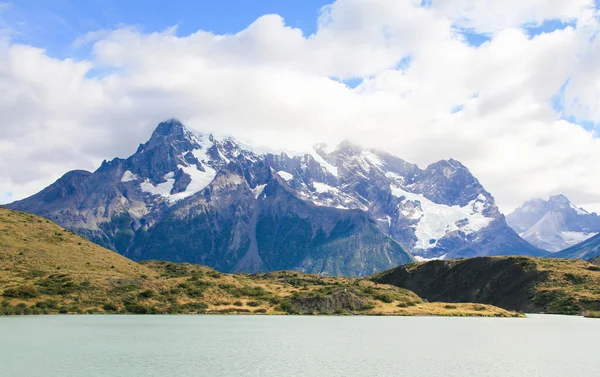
(191, 196)
(553, 224)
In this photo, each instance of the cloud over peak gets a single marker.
(512, 109)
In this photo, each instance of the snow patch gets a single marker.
(572, 238)
(258, 190)
(285, 175)
(330, 168)
(421, 259)
(322, 187)
(372, 158)
(128, 176)
(436, 220)
(163, 189)
(386, 219)
(200, 179)
(580, 211)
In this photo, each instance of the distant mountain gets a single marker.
(529, 285)
(586, 250)
(187, 196)
(553, 224)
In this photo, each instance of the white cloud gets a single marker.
(269, 82)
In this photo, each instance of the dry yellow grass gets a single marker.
(46, 269)
(31, 244)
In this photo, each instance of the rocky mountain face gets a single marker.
(189, 197)
(553, 224)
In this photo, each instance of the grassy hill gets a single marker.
(47, 269)
(558, 286)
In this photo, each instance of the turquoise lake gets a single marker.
(298, 346)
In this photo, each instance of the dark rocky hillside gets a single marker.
(533, 285)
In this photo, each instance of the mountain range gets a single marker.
(185, 196)
(554, 224)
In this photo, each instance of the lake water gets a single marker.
(298, 346)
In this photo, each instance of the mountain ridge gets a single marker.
(188, 196)
(554, 224)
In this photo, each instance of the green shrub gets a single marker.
(110, 307)
(213, 274)
(384, 297)
(146, 294)
(125, 288)
(275, 300)
(196, 307)
(452, 307)
(23, 291)
(176, 270)
(238, 303)
(576, 279)
(287, 307)
(255, 292)
(195, 292)
(58, 284)
(140, 309)
(233, 310)
(253, 303)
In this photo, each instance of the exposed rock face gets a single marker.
(595, 261)
(553, 224)
(188, 197)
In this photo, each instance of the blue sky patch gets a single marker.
(548, 26)
(474, 39)
(55, 25)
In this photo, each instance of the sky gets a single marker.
(510, 88)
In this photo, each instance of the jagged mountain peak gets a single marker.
(450, 165)
(553, 224)
(559, 201)
(169, 127)
(188, 196)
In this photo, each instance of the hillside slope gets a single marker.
(47, 269)
(595, 261)
(533, 285)
(585, 250)
(32, 246)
